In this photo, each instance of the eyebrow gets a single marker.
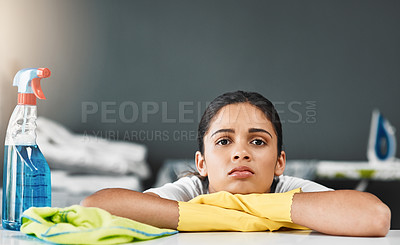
(251, 130)
(224, 130)
(256, 130)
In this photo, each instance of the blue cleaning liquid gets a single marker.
(382, 143)
(26, 183)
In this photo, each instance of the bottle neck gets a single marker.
(26, 99)
(22, 126)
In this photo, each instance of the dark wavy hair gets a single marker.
(229, 98)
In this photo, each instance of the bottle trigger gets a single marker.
(37, 89)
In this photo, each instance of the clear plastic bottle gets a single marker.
(26, 174)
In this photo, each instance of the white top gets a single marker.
(187, 188)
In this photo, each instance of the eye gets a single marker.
(258, 142)
(223, 142)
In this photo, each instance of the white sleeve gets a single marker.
(288, 183)
(184, 189)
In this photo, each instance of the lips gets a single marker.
(241, 172)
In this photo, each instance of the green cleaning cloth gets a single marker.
(84, 225)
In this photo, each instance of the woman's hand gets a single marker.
(341, 212)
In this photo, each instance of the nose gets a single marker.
(240, 155)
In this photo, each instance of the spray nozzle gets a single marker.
(28, 82)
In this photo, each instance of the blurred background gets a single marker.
(144, 71)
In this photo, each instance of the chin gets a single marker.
(243, 189)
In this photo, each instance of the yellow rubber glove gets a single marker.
(274, 206)
(225, 211)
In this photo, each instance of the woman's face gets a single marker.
(240, 151)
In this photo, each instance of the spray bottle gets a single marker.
(382, 140)
(26, 175)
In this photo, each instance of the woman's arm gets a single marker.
(146, 208)
(341, 212)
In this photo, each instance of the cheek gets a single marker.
(216, 165)
(216, 154)
(268, 156)
(266, 162)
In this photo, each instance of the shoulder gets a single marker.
(288, 183)
(184, 189)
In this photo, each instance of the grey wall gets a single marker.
(325, 64)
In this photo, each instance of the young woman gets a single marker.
(240, 151)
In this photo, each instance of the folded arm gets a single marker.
(146, 208)
(341, 212)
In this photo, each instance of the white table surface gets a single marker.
(234, 238)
